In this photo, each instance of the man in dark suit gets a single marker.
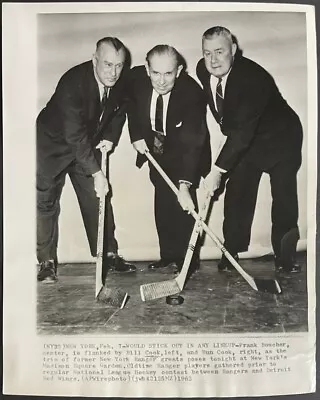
(167, 116)
(86, 113)
(263, 134)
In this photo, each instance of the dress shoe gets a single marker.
(225, 265)
(291, 268)
(289, 247)
(163, 263)
(48, 272)
(118, 264)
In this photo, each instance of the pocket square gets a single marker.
(179, 124)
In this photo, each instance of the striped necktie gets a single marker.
(219, 99)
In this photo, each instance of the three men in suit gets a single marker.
(263, 134)
(166, 115)
(86, 112)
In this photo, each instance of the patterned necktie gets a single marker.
(159, 135)
(219, 99)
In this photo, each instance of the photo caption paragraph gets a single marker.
(161, 362)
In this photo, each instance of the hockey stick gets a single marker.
(156, 290)
(264, 285)
(113, 297)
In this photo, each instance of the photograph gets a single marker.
(160, 193)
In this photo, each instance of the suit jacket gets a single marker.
(69, 127)
(186, 148)
(258, 122)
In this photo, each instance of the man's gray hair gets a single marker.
(112, 41)
(218, 31)
(164, 49)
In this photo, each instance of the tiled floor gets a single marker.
(213, 303)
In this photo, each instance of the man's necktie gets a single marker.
(219, 99)
(159, 135)
(104, 99)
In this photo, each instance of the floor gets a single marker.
(213, 302)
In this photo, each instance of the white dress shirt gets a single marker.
(154, 98)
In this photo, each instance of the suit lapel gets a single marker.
(172, 106)
(93, 98)
(147, 95)
(204, 77)
(231, 93)
(209, 93)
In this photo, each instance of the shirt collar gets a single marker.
(156, 94)
(224, 78)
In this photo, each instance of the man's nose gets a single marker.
(113, 71)
(162, 80)
(213, 58)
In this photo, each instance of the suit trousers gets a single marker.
(240, 201)
(174, 225)
(48, 209)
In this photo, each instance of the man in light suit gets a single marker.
(86, 113)
(167, 116)
(263, 134)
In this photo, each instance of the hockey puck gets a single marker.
(174, 300)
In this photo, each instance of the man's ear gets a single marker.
(180, 68)
(94, 59)
(234, 49)
(147, 68)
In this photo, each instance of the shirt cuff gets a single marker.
(186, 182)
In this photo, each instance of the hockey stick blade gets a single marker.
(268, 285)
(112, 297)
(156, 290)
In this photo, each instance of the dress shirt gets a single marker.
(213, 84)
(101, 87)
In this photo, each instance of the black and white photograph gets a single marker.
(168, 171)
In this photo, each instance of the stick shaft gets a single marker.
(181, 278)
(220, 246)
(100, 238)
